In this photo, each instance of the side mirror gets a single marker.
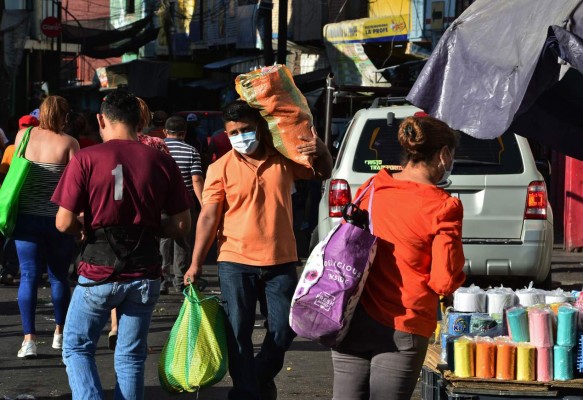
(544, 167)
(390, 118)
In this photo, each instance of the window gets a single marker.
(130, 6)
(379, 148)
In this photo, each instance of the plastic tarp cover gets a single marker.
(479, 72)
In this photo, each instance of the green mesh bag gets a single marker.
(195, 355)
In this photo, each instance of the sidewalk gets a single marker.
(307, 373)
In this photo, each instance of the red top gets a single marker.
(222, 145)
(85, 141)
(121, 182)
(419, 254)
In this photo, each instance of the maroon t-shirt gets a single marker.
(121, 182)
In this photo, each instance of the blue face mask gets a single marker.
(447, 171)
(245, 143)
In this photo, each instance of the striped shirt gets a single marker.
(36, 192)
(188, 160)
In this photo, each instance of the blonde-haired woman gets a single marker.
(38, 242)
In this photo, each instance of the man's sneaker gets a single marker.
(28, 349)
(6, 278)
(58, 341)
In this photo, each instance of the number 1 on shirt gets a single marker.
(117, 173)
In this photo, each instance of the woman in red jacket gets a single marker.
(419, 257)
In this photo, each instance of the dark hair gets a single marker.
(121, 106)
(239, 110)
(175, 124)
(422, 137)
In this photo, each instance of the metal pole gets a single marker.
(282, 33)
(201, 16)
(329, 99)
(265, 10)
(59, 43)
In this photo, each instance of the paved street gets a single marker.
(307, 373)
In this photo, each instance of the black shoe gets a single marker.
(6, 278)
(164, 290)
(112, 340)
(268, 391)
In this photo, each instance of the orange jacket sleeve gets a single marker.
(447, 253)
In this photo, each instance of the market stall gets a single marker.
(499, 343)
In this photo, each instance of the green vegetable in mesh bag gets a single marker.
(195, 355)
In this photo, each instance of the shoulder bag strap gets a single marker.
(23, 143)
(370, 226)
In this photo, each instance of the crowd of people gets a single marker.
(138, 208)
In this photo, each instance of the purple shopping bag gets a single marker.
(332, 281)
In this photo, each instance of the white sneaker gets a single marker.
(57, 341)
(28, 349)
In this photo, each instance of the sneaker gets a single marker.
(112, 340)
(58, 341)
(179, 288)
(28, 349)
(6, 278)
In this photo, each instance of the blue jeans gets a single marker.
(88, 313)
(239, 286)
(40, 244)
(177, 255)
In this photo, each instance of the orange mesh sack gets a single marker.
(272, 91)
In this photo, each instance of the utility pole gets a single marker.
(59, 48)
(265, 8)
(282, 33)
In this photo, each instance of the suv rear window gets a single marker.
(379, 148)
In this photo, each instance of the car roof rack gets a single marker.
(388, 101)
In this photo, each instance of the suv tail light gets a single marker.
(338, 197)
(536, 201)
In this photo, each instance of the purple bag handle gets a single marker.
(359, 198)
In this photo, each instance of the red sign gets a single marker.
(51, 27)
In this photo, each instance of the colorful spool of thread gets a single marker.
(451, 352)
(567, 326)
(580, 354)
(505, 360)
(544, 364)
(458, 324)
(485, 358)
(484, 325)
(525, 362)
(518, 324)
(464, 357)
(563, 365)
(443, 341)
(540, 327)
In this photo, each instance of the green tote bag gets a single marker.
(10, 190)
(195, 355)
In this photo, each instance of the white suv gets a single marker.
(508, 222)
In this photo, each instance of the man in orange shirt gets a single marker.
(247, 199)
